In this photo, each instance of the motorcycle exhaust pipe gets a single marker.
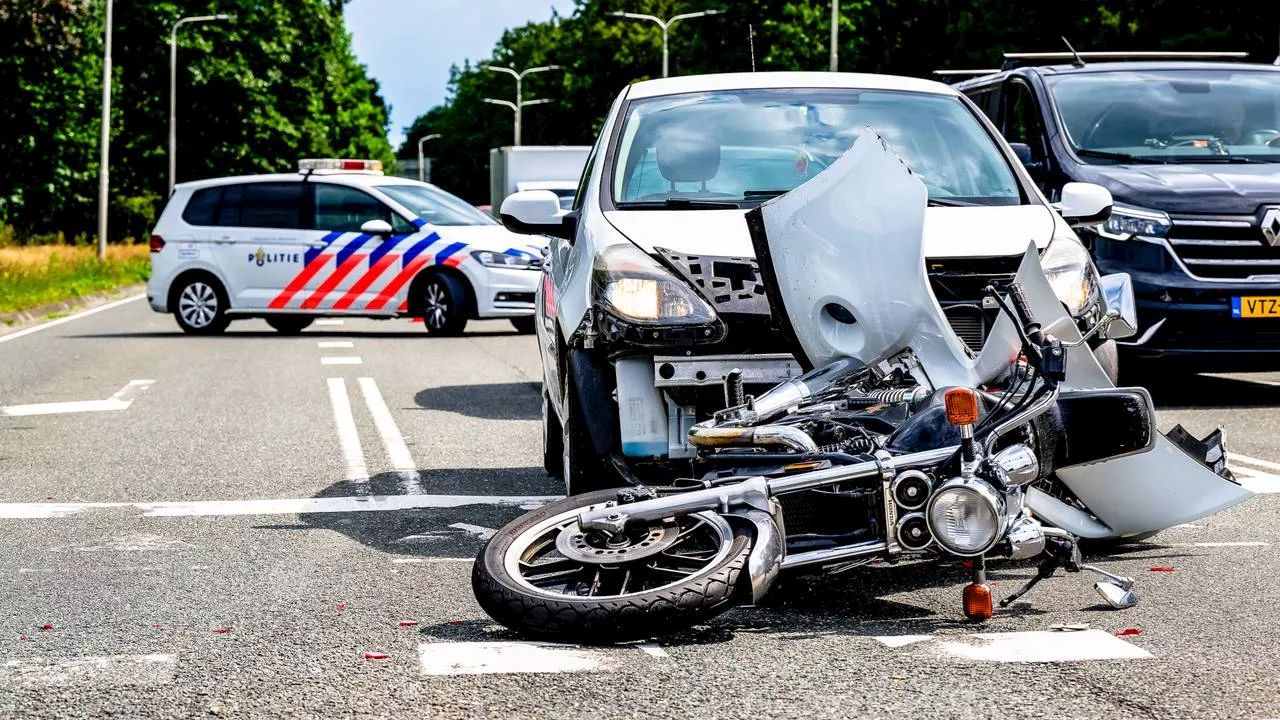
(795, 391)
(705, 435)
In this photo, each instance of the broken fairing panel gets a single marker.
(844, 254)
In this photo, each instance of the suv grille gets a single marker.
(1230, 247)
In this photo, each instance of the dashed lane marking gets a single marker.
(493, 658)
(67, 319)
(98, 671)
(1222, 544)
(1253, 479)
(1023, 647)
(1253, 461)
(895, 641)
(285, 506)
(392, 439)
(334, 344)
(348, 438)
(328, 321)
(341, 360)
(121, 400)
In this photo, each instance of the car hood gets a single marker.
(1190, 188)
(948, 232)
(490, 237)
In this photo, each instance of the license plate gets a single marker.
(1255, 307)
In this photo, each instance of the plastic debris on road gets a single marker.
(221, 631)
(1128, 631)
(407, 623)
(376, 656)
(1162, 569)
(1070, 627)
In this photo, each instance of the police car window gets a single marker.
(345, 209)
(435, 206)
(202, 208)
(271, 205)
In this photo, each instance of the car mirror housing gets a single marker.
(1084, 204)
(376, 227)
(1117, 288)
(537, 212)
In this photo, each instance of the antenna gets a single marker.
(751, 38)
(1078, 61)
(1277, 61)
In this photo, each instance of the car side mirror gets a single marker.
(1117, 289)
(376, 227)
(538, 212)
(1023, 152)
(1084, 204)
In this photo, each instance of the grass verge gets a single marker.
(40, 274)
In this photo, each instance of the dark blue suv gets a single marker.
(1190, 150)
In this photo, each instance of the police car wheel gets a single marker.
(523, 325)
(444, 305)
(201, 307)
(552, 440)
(289, 324)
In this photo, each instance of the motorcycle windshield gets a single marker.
(842, 257)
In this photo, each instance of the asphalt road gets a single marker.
(228, 540)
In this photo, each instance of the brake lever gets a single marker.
(1103, 323)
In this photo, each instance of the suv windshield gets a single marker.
(738, 148)
(436, 206)
(1170, 115)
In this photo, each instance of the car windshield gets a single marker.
(1170, 115)
(738, 148)
(436, 206)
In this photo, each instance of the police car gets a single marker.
(338, 238)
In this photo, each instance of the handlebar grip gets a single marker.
(1025, 314)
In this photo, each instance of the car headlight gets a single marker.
(512, 261)
(966, 517)
(1071, 274)
(634, 287)
(1127, 221)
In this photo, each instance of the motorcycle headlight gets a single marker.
(633, 287)
(1071, 274)
(1127, 221)
(966, 517)
(513, 261)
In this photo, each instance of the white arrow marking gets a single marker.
(119, 401)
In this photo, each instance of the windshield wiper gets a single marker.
(678, 203)
(948, 202)
(1217, 159)
(1119, 157)
(757, 194)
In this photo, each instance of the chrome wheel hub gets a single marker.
(436, 311)
(198, 304)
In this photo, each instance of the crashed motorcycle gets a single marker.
(900, 443)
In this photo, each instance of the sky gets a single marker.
(409, 45)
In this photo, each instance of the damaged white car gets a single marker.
(652, 293)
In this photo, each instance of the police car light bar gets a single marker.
(338, 164)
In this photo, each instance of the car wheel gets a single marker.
(523, 325)
(201, 307)
(582, 469)
(445, 305)
(552, 440)
(289, 324)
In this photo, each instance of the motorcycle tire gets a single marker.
(568, 616)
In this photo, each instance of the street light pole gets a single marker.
(519, 103)
(666, 25)
(106, 140)
(173, 89)
(421, 160)
(835, 23)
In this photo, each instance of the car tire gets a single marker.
(289, 324)
(524, 324)
(581, 467)
(444, 305)
(200, 306)
(552, 440)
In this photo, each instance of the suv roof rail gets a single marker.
(967, 73)
(1020, 59)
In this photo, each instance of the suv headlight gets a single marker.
(1072, 275)
(512, 261)
(1127, 221)
(644, 303)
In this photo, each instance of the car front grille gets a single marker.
(1229, 247)
(959, 284)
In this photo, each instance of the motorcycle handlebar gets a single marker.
(1025, 314)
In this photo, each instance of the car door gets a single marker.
(258, 240)
(1022, 122)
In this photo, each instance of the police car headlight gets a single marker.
(966, 517)
(510, 261)
(1072, 275)
(632, 286)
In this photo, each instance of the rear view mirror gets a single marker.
(1117, 289)
(537, 212)
(1104, 424)
(1023, 151)
(1084, 204)
(376, 227)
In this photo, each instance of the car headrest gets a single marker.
(687, 155)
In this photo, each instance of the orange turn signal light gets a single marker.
(977, 602)
(962, 406)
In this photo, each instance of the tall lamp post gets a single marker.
(421, 160)
(519, 104)
(173, 88)
(105, 145)
(666, 25)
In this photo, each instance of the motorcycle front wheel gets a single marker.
(543, 577)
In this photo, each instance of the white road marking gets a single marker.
(1253, 461)
(348, 438)
(1039, 647)
(69, 318)
(1187, 526)
(652, 650)
(334, 344)
(139, 543)
(1222, 544)
(896, 641)
(98, 671)
(392, 440)
(479, 531)
(285, 506)
(484, 658)
(414, 561)
(121, 400)
(341, 360)
(328, 321)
